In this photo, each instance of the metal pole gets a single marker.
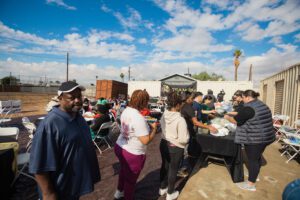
(129, 74)
(250, 73)
(67, 66)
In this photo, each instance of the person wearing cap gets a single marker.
(103, 117)
(214, 99)
(63, 159)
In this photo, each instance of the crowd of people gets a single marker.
(63, 157)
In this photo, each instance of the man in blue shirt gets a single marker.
(197, 106)
(63, 158)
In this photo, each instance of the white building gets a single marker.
(181, 82)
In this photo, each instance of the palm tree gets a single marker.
(122, 77)
(237, 53)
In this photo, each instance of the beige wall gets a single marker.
(90, 92)
(152, 87)
(228, 86)
(291, 92)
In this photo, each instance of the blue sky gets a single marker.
(155, 38)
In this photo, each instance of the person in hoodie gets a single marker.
(175, 137)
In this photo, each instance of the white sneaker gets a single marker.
(257, 179)
(162, 191)
(245, 186)
(118, 194)
(172, 196)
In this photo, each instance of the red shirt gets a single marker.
(145, 112)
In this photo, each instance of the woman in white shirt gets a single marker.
(175, 137)
(131, 145)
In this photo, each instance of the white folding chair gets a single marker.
(286, 130)
(276, 125)
(291, 146)
(5, 116)
(31, 128)
(23, 162)
(100, 138)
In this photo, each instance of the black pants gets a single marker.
(254, 154)
(171, 157)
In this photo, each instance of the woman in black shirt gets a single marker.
(255, 131)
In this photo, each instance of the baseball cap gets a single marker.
(69, 86)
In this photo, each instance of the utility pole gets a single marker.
(67, 66)
(129, 73)
(10, 78)
(250, 73)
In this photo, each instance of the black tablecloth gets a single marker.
(221, 147)
(156, 115)
(6, 173)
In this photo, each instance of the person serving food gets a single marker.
(255, 131)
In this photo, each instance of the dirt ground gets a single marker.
(32, 104)
(214, 182)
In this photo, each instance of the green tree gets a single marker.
(122, 76)
(204, 76)
(9, 80)
(236, 54)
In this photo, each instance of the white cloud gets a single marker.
(170, 55)
(190, 29)
(297, 37)
(223, 4)
(61, 3)
(269, 63)
(95, 44)
(10, 33)
(194, 40)
(104, 8)
(276, 40)
(31, 71)
(281, 19)
(133, 21)
(74, 29)
(142, 41)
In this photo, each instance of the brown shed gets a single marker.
(111, 89)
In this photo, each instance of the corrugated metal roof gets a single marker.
(187, 77)
(295, 65)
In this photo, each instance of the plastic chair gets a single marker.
(286, 130)
(4, 116)
(100, 137)
(291, 146)
(31, 128)
(278, 118)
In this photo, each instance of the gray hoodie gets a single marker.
(174, 128)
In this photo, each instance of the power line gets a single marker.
(32, 55)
